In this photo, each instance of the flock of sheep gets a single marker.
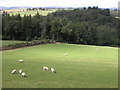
(20, 71)
(23, 74)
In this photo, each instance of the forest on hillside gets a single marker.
(91, 26)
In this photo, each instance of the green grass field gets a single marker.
(10, 42)
(43, 13)
(83, 67)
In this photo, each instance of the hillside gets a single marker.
(91, 26)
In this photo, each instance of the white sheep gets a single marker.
(21, 61)
(20, 71)
(13, 71)
(45, 68)
(23, 74)
(53, 70)
(65, 54)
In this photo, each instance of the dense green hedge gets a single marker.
(26, 44)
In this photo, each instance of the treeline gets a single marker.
(84, 26)
(34, 9)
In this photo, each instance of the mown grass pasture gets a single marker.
(83, 67)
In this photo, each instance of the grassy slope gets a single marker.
(84, 67)
(9, 42)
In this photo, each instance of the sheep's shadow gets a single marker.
(25, 76)
(55, 72)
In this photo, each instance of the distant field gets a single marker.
(83, 67)
(44, 13)
(117, 17)
(9, 42)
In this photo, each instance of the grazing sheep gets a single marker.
(23, 74)
(65, 54)
(13, 71)
(20, 71)
(53, 70)
(21, 61)
(45, 68)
